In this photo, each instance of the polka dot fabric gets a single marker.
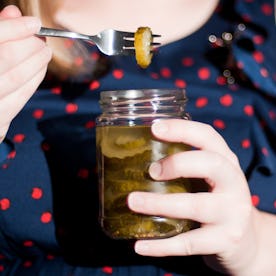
(48, 181)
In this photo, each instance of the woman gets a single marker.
(49, 207)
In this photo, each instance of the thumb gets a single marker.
(10, 11)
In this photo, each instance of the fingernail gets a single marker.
(141, 247)
(160, 127)
(155, 169)
(135, 201)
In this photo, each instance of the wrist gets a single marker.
(262, 259)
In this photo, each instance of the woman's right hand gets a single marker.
(23, 63)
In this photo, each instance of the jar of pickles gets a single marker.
(125, 149)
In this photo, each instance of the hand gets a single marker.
(24, 58)
(228, 220)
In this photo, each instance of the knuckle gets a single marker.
(210, 130)
(174, 164)
(218, 162)
(235, 235)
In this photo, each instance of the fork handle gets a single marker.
(62, 33)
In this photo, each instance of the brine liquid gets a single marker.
(124, 156)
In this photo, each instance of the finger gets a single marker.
(10, 11)
(200, 207)
(3, 132)
(216, 170)
(16, 77)
(21, 27)
(12, 104)
(14, 52)
(201, 241)
(199, 135)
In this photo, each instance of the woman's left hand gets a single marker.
(226, 215)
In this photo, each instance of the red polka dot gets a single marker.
(272, 115)
(118, 74)
(37, 193)
(204, 73)
(68, 43)
(95, 55)
(221, 80)
(180, 83)
(46, 217)
(5, 204)
(248, 110)
(90, 124)
(12, 154)
(27, 264)
(267, 9)
(165, 72)
(45, 146)
(56, 90)
(38, 113)
(240, 64)
(168, 274)
(264, 72)
(50, 257)
(19, 138)
(219, 124)
(154, 76)
(83, 173)
(95, 84)
(107, 269)
(187, 61)
(258, 56)
(4, 166)
(255, 200)
(28, 243)
(246, 143)
(201, 102)
(265, 151)
(246, 18)
(2, 268)
(71, 108)
(258, 39)
(79, 61)
(226, 100)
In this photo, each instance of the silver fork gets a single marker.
(110, 42)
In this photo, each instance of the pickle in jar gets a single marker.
(125, 154)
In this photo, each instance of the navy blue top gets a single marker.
(48, 182)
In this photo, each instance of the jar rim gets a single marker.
(133, 94)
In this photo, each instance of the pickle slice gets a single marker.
(124, 142)
(143, 49)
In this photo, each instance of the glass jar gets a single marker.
(125, 149)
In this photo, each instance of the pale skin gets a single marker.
(234, 236)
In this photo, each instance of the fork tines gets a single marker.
(129, 40)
